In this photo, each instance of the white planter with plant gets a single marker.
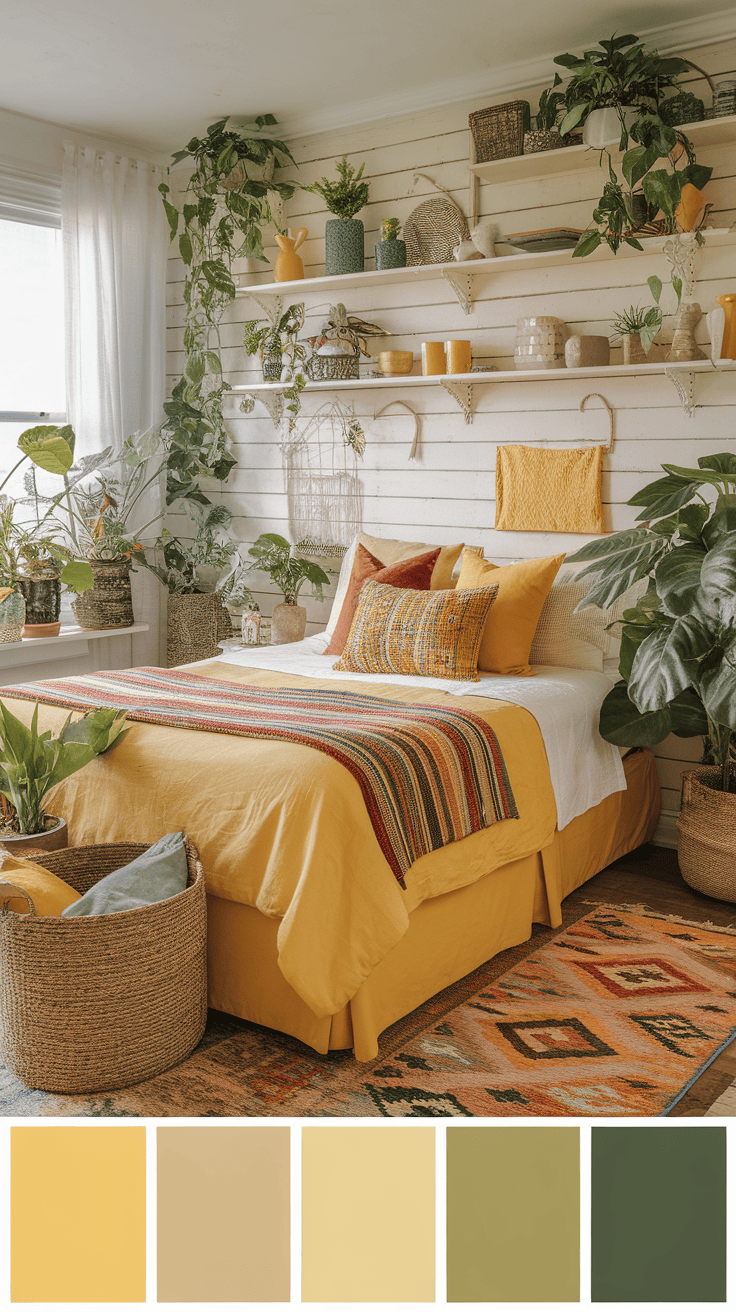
(344, 235)
(273, 555)
(678, 646)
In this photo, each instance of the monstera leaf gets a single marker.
(49, 447)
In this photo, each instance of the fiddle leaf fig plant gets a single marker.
(678, 643)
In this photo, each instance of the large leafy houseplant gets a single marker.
(678, 643)
(225, 206)
(32, 763)
(618, 72)
(273, 555)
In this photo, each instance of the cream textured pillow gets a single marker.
(402, 631)
(341, 590)
(564, 638)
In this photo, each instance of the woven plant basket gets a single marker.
(194, 628)
(498, 132)
(11, 632)
(102, 1002)
(707, 824)
(108, 604)
(332, 368)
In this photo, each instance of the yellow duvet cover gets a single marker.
(284, 828)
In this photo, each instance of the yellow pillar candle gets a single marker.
(459, 357)
(433, 358)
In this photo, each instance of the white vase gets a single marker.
(540, 342)
(603, 126)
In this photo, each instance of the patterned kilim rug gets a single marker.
(615, 1016)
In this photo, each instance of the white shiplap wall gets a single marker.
(448, 494)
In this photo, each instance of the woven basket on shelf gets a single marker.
(101, 1002)
(498, 132)
(108, 604)
(332, 368)
(707, 825)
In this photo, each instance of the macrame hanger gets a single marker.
(405, 405)
(611, 415)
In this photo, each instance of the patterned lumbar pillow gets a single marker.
(436, 634)
(415, 574)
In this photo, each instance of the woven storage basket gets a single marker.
(498, 132)
(109, 604)
(193, 628)
(707, 824)
(101, 1002)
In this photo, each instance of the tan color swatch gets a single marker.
(223, 1214)
(77, 1214)
(513, 1214)
(368, 1214)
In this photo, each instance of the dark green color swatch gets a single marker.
(513, 1214)
(659, 1215)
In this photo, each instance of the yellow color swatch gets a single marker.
(368, 1214)
(77, 1214)
(233, 1183)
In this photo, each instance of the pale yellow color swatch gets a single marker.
(542, 490)
(227, 1188)
(77, 1214)
(368, 1215)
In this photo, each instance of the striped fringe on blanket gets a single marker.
(429, 776)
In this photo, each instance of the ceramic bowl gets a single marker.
(395, 362)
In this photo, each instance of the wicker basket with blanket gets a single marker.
(100, 1002)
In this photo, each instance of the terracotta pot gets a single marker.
(42, 630)
(49, 841)
(108, 604)
(289, 623)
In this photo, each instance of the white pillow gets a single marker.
(580, 641)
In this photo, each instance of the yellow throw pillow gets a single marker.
(510, 628)
(390, 550)
(49, 894)
(402, 631)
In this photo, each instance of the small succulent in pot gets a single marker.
(390, 250)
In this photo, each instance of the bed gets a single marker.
(309, 932)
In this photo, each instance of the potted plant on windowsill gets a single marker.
(273, 555)
(344, 235)
(31, 764)
(678, 647)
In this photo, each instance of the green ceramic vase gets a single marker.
(344, 246)
(391, 254)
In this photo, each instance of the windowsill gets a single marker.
(71, 641)
(71, 632)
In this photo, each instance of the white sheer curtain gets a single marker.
(115, 240)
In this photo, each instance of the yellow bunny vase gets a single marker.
(289, 267)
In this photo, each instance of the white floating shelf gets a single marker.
(573, 159)
(461, 274)
(461, 386)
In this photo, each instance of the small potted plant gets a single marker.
(344, 235)
(339, 344)
(636, 329)
(390, 250)
(545, 135)
(275, 341)
(273, 555)
(31, 764)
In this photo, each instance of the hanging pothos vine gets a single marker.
(225, 205)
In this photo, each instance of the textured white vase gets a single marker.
(540, 342)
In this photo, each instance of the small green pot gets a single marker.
(344, 246)
(391, 254)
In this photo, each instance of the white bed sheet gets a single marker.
(565, 703)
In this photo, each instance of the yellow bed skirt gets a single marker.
(448, 936)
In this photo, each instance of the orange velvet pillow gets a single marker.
(415, 574)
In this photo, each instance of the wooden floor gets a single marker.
(651, 877)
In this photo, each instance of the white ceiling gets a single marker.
(152, 73)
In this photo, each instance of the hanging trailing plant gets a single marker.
(224, 209)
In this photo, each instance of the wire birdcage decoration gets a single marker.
(324, 492)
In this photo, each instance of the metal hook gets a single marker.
(611, 415)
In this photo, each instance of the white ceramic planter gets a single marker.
(603, 126)
(540, 342)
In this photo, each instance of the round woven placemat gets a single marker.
(433, 230)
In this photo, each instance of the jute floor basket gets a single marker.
(101, 1002)
(707, 824)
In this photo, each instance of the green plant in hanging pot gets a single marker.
(390, 250)
(678, 643)
(225, 207)
(344, 235)
(274, 555)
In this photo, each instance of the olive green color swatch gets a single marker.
(223, 1214)
(659, 1214)
(513, 1214)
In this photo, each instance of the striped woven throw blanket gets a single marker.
(428, 775)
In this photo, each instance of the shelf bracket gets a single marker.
(273, 401)
(462, 285)
(683, 381)
(463, 394)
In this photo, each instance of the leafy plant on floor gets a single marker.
(32, 763)
(273, 555)
(678, 644)
(348, 195)
(225, 207)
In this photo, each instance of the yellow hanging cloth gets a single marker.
(542, 491)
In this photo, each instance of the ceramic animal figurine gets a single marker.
(484, 236)
(288, 266)
(465, 250)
